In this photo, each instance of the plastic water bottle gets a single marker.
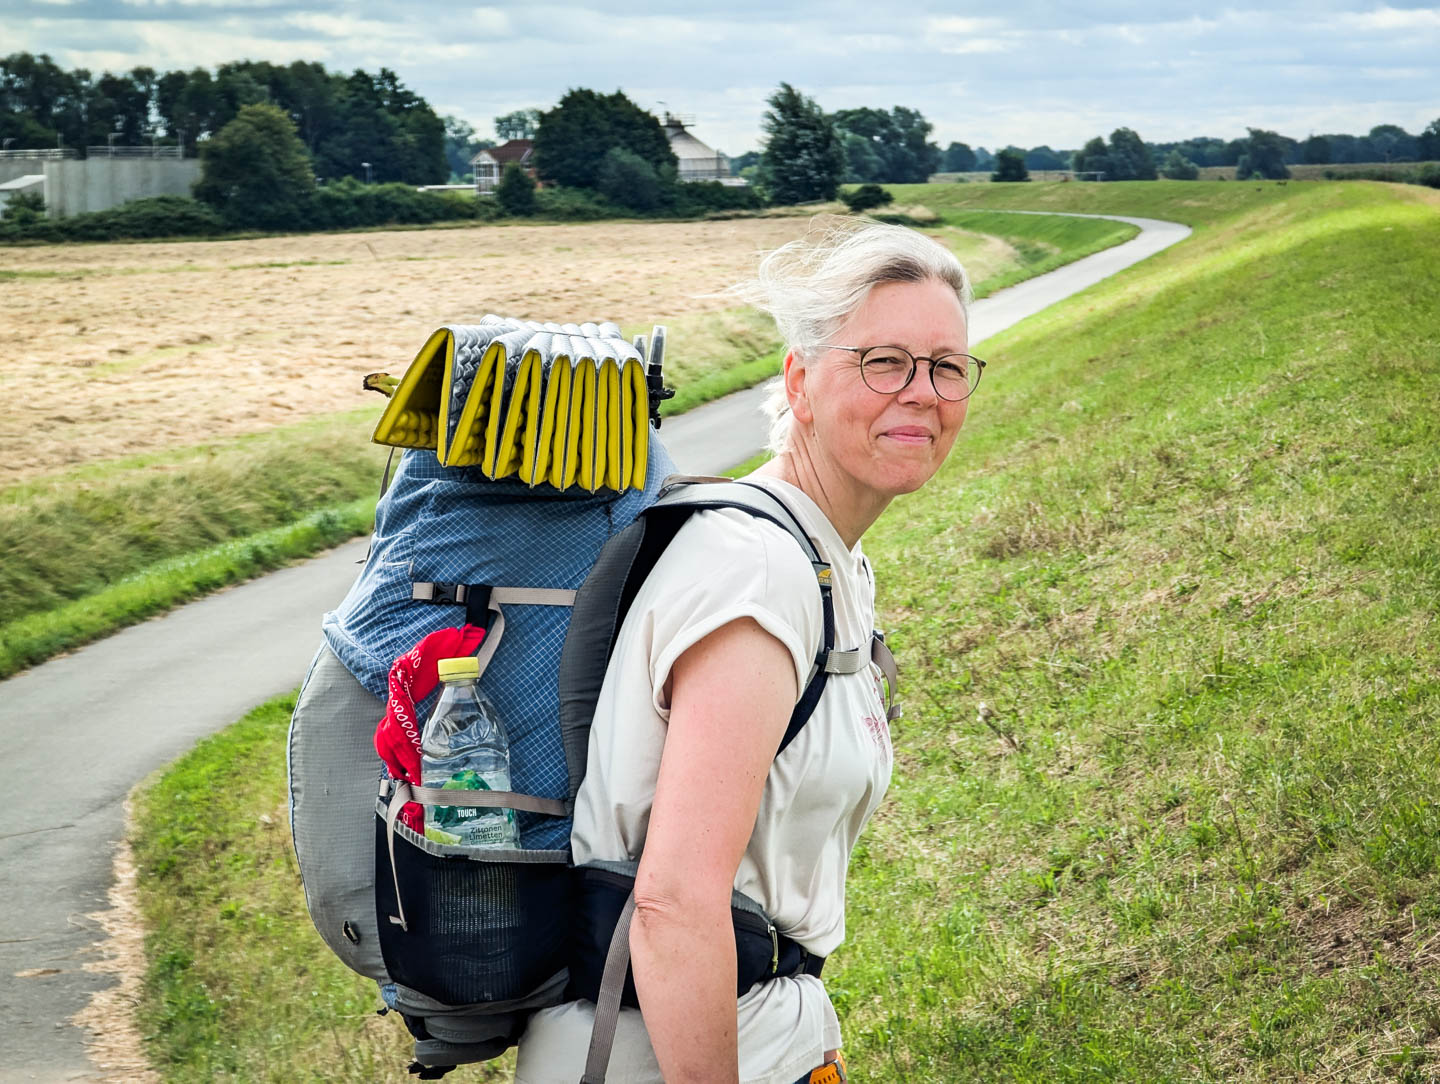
(464, 747)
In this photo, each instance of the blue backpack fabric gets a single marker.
(454, 525)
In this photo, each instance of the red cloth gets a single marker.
(413, 676)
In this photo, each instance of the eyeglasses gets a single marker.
(889, 370)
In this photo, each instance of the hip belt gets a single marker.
(761, 951)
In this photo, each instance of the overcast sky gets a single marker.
(1023, 72)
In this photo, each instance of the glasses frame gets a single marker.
(915, 361)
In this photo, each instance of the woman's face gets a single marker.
(890, 444)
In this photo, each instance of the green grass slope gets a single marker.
(1186, 554)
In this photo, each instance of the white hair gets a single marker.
(812, 286)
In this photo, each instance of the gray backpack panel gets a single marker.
(334, 775)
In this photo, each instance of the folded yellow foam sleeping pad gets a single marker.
(561, 404)
(425, 410)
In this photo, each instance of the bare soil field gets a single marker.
(120, 349)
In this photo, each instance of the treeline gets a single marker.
(1384, 143)
(343, 121)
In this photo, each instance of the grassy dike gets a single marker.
(95, 549)
(1185, 552)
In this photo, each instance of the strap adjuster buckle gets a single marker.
(439, 592)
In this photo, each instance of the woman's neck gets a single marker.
(849, 507)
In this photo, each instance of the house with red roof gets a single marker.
(489, 163)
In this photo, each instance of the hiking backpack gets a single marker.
(466, 943)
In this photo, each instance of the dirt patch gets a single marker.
(112, 1029)
(119, 349)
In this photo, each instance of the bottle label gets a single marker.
(470, 826)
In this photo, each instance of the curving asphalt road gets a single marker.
(99, 720)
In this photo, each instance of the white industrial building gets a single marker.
(695, 160)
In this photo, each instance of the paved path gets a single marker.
(98, 721)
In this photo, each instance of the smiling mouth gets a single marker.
(909, 436)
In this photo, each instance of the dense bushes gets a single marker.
(159, 216)
(697, 198)
(866, 198)
(348, 204)
(1427, 173)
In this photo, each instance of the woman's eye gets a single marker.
(886, 362)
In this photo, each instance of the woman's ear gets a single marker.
(795, 372)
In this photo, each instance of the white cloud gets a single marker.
(1033, 73)
(1388, 18)
(972, 46)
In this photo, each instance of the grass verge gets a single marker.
(247, 1000)
(104, 546)
(1186, 555)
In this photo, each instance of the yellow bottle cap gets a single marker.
(459, 669)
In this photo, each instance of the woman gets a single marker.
(717, 646)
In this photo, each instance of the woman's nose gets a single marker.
(921, 388)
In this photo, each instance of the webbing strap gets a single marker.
(882, 657)
(402, 792)
(384, 485)
(484, 799)
(847, 662)
(607, 1007)
(533, 596)
(424, 591)
(480, 599)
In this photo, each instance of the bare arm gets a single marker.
(731, 699)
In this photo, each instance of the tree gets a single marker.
(803, 158)
(1042, 157)
(898, 138)
(862, 162)
(573, 138)
(1130, 159)
(1179, 168)
(255, 171)
(521, 124)
(1427, 145)
(1316, 151)
(1094, 157)
(742, 162)
(959, 158)
(516, 191)
(1392, 143)
(1264, 156)
(627, 179)
(461, 146)
(1010, 166)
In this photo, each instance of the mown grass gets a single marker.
(1186, 554)
(104, 546)
(257, 996)
(1041, 242)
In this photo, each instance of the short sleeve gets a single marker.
(725, 565)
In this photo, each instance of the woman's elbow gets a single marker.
(660, 910)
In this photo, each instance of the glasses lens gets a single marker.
(955, 375)
(886, 369)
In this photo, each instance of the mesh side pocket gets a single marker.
(478, 931)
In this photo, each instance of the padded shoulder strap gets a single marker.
(678, 492)
(683, 499)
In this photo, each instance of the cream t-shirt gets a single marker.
(724, 565)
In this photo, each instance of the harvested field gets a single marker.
(120, 349)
